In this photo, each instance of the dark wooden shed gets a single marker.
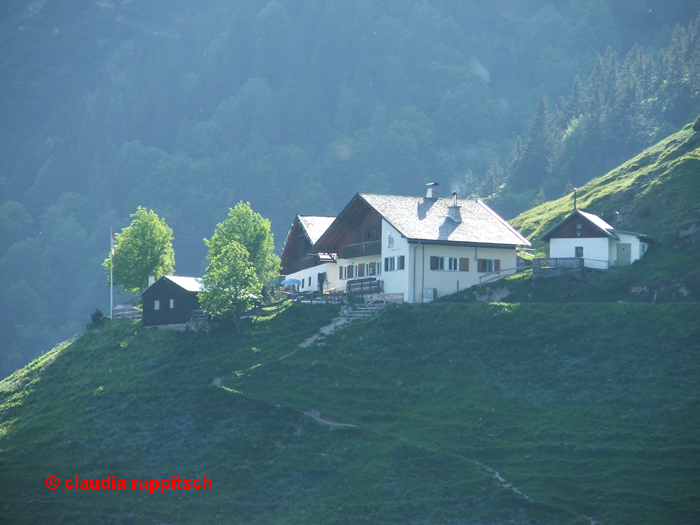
(171, 300)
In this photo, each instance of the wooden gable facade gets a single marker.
(579, 225)
(170, 300)
(297, 253)
(356, 232)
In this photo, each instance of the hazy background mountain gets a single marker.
(295, 106)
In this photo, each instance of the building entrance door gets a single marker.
(624, 254)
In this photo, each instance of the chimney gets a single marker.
(432, 192)
(453, 211)
(151, 280)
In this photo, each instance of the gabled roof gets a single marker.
(596, 221)
(304, 232)
(315, 225)
(191, 284)
(599, 224)
(425, 219)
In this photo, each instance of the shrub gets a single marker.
(96, 319)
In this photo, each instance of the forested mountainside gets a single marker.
(295, 106)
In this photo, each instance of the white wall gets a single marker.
(303, 275)
(446, 281)
(396, 281)
(596, 250)
(638, 248)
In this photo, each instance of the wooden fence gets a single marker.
(384, 298)
(365, 286)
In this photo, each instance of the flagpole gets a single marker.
(111, 274)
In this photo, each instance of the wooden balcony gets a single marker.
(362, 249)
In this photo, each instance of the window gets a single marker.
(489, 265)
(393, 263)
(172, 303)
(379, 268)
(485, 265)
(579, 251)
(309, 282)
(156, 305)
(370, 268)
(361, 270)
(453, 264)
(389, 264)
(437, 263)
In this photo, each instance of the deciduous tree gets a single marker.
(230, 284)
(143, 248)
(252, 231)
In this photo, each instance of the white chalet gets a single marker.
(587, 236)
(421, 247)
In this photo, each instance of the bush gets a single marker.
(96, 319)
(696, 124)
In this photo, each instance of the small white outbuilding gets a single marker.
(587, 236)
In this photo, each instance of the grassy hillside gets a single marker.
(582, 412)
(656, 193)
(546, 410)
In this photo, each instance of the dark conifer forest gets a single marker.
(187, 108)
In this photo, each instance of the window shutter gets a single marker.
(350, 271)
(361, 270)
(402, 261)
(463, 264)
(497, 265)
(480, 265)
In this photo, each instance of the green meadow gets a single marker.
(461, 413)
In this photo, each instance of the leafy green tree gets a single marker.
(230, 284)
(143, 248)
(252, 231)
